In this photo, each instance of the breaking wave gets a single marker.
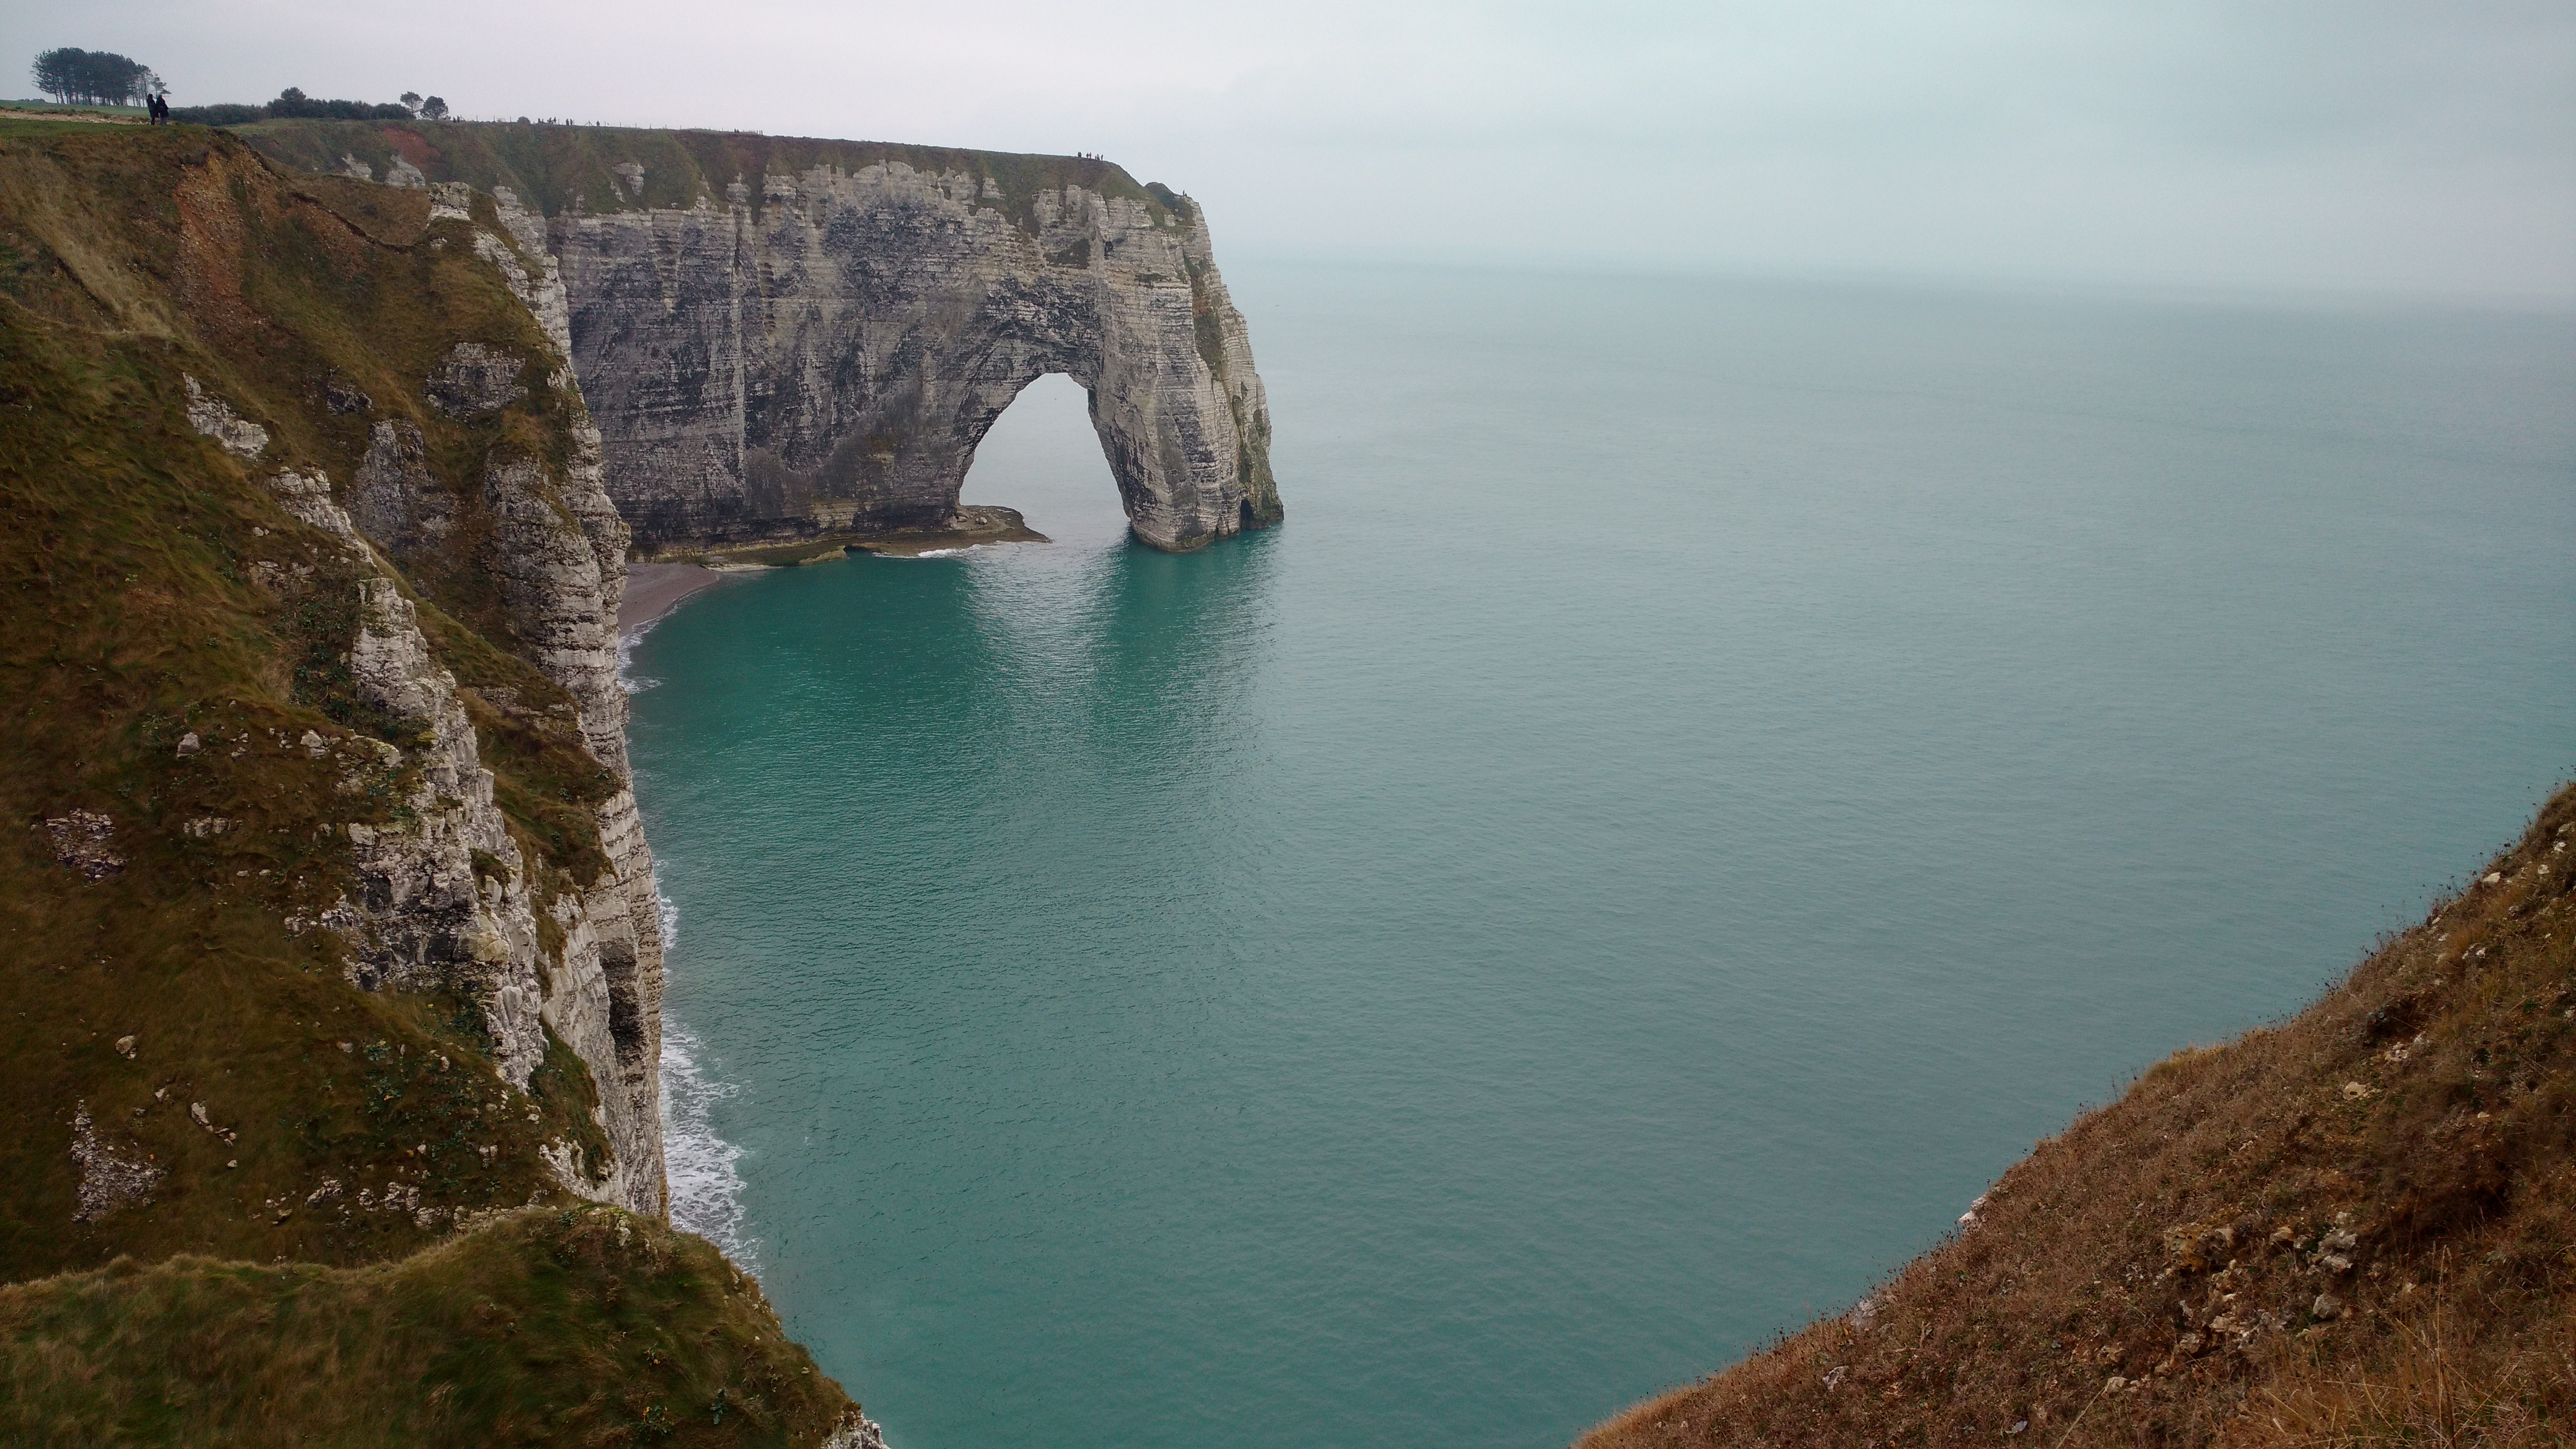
(706, 1188)
(627, 639)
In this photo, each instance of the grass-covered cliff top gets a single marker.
(562, 167)
(585, 1326)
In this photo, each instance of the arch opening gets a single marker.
(1043, 456)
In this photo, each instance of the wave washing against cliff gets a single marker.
(705, 1185)
(628, 681)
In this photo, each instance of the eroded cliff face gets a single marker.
(448, 900)
(332, 926)
(563, 586)
(333, 960)
(786, 339)
(827, 354)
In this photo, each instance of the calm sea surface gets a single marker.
(1708, 774)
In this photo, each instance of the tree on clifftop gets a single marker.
(293, 104)
(91, 77)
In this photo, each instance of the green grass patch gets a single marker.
(561, 167)
(581, 1327)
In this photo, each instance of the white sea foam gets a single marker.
(626, 680)
(960, 551)
(706, 1188)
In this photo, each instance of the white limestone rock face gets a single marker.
(393, 499)
(476, 378)
(828, 354)
(448, 200)
(445, 902)
(215, 418)
(560, 554)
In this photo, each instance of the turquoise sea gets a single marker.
(1708, 774)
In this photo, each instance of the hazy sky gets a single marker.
(2341, 144)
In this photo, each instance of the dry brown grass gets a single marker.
(2357, 1228)
(2444, 1385)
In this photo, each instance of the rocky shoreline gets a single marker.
(655, 587)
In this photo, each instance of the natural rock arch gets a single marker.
(825, 356)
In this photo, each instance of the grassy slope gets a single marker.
(556, 168)
(2167, 1271)
(130, 558)
(581, 1327)
(153, 587)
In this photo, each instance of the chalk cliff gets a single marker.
(333, 953)
(447, 898)
(784, 339)
(432, 776)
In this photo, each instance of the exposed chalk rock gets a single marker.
(855, 1431)
(450, 201)
(560, 548)
(211, 416)
(475, 379)
(829, 356)
(109, 1179)
(447, 899)
(393, 498)
(85, 841)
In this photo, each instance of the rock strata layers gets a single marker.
(827, 353)
(785, 338)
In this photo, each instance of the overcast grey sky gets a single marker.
(2337, 144)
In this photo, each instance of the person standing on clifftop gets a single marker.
(158, 109)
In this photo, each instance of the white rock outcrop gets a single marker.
(447, 898)
(827, 354)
